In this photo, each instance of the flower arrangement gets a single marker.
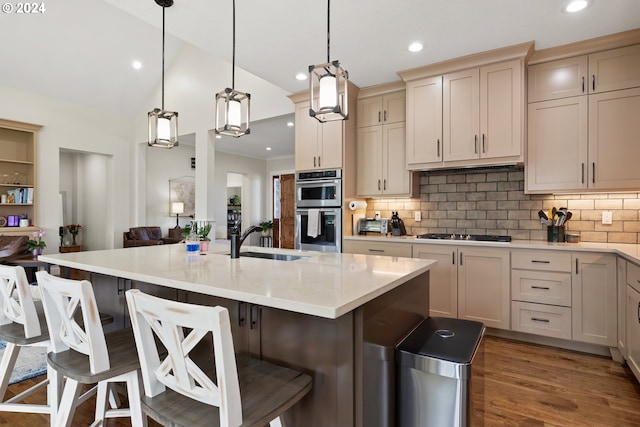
(74, 229)
(37, 244)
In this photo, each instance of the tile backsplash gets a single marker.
(492, 201)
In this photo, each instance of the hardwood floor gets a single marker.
(514, 384)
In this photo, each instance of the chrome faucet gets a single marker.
(237, 240)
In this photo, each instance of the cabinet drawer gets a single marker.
(541, 287)
(633, 276)
(377, 248)
(540, 319)
(541, 260)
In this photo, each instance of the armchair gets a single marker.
(146, 236)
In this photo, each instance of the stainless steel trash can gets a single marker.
(434, 373)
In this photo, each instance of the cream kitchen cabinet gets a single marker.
(598, 139)
(371, 247)
(479, 277)
(594, 299)
(541, 293)
(424, 123)
(632, 297)
(482, 111)
(380, 156)
(381, 166)
(612, 69)
(382, 109)
(588, 105)
(317, 145)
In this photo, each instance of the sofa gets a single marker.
(146, 236)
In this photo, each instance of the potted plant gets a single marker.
(203, 232)
(235, 200)
(267, 226)
(36, 244)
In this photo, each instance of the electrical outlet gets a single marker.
(607, 217)
(417, 216)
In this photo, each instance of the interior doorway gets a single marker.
(234, 201)
(284, 211)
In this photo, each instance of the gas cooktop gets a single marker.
(472, 237)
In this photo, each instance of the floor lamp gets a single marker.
(177, 208)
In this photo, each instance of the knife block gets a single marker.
(555, 233)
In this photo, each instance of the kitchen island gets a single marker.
(334, 316)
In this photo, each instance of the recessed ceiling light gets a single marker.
(415, 47)
(301, 76)
(268, 148)
(290, 124)
(576, 6)
(137, 65)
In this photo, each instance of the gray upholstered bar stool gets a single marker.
(21, 325)
(111, 357)
(201, 382)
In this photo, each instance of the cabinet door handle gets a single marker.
(537, 319)
(314, 161)
(582, 84)
(253, 319)
(379, 117)
(378, 185)
(483, 144)
(241, 313)
(576, 265)
(544, 288)
(376, 250)
(453, 257)
(319, 165)
(385, 115)
(460, 258)
(540, 261)
(384, 184)
(475, 144)
(593, 172)
(638, 312)
(593, 81)
(438, 147)
(583, 173)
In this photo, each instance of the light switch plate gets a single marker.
(607, 217)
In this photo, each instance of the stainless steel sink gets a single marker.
(277, 257)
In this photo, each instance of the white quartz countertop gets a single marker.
(630, 252)
(321, 284)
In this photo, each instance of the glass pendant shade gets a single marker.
(233, 110)
(328, 92)
(163, 128)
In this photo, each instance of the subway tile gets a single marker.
(447, 188)
(487, 186)
(631, 226)
(497, 176)
(627, 215)
(447, 206)
(529, 224)
(466, 206)
(477, 196)
(622, 238)
(447, 223)
(616, 226)
(497, 195)
(519, 214)
(476, 214)
(487, 205)
(508, 223)
(456, 197)
(437, 179)
(466, 188)
(497, 214)
(581, 225)
(466, 223)
(580, 204)
(631, 204)
(455, 179)
(507, 205)
(608, 204)
(508, 186)
(457, 214)
(438, 197)
(487, 223)
(476, 177)
(588, 236)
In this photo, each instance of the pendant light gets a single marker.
(233, 108)
(163, 125)
(328, 86)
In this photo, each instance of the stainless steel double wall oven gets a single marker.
(319, 210)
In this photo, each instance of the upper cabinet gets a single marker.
(582, 122)
(18, 142)
(470, 114)
(381, 164)
(326, 145)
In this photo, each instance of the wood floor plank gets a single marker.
(513, 384)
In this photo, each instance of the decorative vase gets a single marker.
(73, 239)
(204, 245)
(36, 251)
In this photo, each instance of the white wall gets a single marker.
(276, 167)
(163, 165)
(78, 128)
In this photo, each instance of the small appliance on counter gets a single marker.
(397, 225)
(373, 225)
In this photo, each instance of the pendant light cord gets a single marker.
(328, 29)
(233, 57)
(163, 8)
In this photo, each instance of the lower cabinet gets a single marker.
(377, 248)
(594, 307)
(633, 329)
(469, 283)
